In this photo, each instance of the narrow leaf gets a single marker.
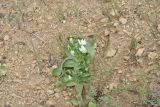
(79, 88)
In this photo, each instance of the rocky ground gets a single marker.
(128, 48)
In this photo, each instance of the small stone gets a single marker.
(16, 52)
(126, 58)
(113, 13)
(115, 24)
(123, 21)
(49, 17)
(103, 20)
(140, 52)
(57, 90)
(50, 91)
(152, 55)
(42, 103)
(57, 95)
(140, 61)
(132, 78)
(111, 53)
(64, 21)
(6, 38)
(158, 28)
(51, 102)
(54, 66)
(120, 71)
(106, 32)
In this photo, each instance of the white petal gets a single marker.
(79, 41)
(72, 52)
(83, 49)
(71, 40)
(70, 78)
(82, 42)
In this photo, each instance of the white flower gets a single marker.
(82, 42)
(71, 40)
(72, 52)
(69, 77)
(83, 49)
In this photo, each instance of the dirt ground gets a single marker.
(29, 31)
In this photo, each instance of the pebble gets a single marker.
(106, 32)
(120, 71)
(152, 55)
(50, 91)
(6, 38)
(140, 61)
(49, 17)
(51, 102)
(113, 13)
(123, 20)
(132, 78)
(16, 52)
(126, 58)
(140, 52)
(115, 24)
(111, 53)
(104, 20)
(56, 95)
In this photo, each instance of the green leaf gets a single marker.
(158, 102)
(3, 70)
(66, 78)
(76, 102)
(91, 104)
(63, 84)
(67, 52)
(93, 40)
(91, 51)
(70, 83)
(133, 43)
(79, 88)
(57, 71)
(66, 81)
(85, 79)
(70, 63)
(105, 99)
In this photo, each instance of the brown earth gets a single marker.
(29, 31)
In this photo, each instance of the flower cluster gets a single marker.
(75, 68)
(79, 44)
(82, 44)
